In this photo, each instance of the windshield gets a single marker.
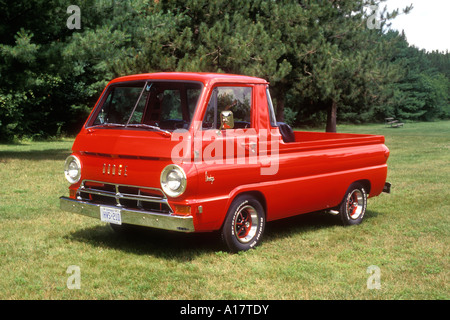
(165, 105)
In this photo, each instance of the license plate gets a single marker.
(110, 215)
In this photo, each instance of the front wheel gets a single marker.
(353, 206)
(244, 224)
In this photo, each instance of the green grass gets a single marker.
(405, 234)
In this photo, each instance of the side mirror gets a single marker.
(226, 120)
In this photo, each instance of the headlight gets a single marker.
(72, 169)
(173, 180)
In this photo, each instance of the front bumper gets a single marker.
(129, 216)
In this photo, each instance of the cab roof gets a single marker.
(205, 78)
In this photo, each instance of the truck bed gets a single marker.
(307, 140)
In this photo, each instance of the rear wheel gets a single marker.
(353, 207)
(244, 224)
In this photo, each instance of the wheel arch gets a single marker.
(365, 183)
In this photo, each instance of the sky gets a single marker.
(427, 26)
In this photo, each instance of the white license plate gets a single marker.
(110, 215)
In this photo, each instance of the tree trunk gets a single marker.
(331, 117)
(280, 107)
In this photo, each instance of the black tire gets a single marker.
(353, 207)
(244, 224)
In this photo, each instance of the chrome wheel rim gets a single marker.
(355, 203)
(246, 224)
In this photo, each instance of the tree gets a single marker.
(51, 75)
(422, 92)
(322, 60)
(26, 87)
(346, 68)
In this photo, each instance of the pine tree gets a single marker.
(322, 60)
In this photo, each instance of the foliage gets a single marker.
(290, 116)
(422, 93)
(323, 62)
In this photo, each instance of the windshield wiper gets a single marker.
(148, 126)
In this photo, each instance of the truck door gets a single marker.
(226, 146)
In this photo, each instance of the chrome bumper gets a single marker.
(135, 217)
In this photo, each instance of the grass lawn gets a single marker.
(405, 235)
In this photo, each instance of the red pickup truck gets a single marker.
(200, 152)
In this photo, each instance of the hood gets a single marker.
(126, 143)
(125, 157)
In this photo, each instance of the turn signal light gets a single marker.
(183, 210)
(73, 194)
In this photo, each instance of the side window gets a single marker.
(237, 100)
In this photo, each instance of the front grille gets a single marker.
(124, 196)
